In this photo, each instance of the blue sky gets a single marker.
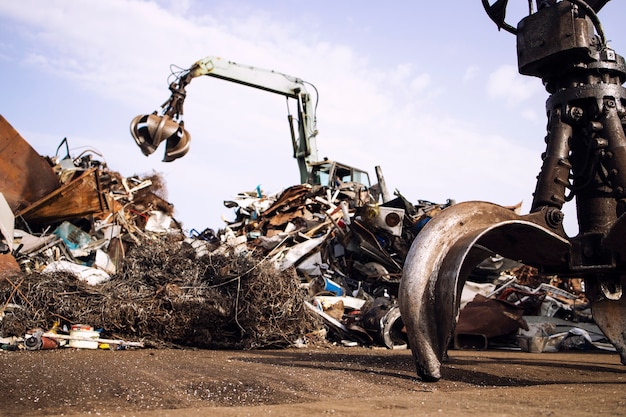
(428, 91)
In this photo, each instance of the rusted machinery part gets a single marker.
(497, 13)
(443, 255)
(614, 239)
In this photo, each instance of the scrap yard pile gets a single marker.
(84, 244)
(164, 296)
(88, 254)
(91, 246)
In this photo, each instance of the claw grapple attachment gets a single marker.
(150, 130)
(563, 43)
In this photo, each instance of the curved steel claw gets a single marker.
(608, 308)
(150, 130)
(441, 258)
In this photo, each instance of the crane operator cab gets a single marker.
(352, 182)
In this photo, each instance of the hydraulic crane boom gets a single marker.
(167, 125)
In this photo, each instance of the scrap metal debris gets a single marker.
(513, 305)
(309, 264)
(164, 295)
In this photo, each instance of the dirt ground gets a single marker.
(312, 382)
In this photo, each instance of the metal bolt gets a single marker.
(576, 113)
(554, 217)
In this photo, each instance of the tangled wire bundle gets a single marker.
(164, 295)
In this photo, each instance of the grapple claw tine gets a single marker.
(426, 288)
(440, 260)
(609, 310)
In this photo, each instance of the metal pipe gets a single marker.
(384, 192)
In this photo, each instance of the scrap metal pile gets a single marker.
(311, 264)
(83, 244)
(164, 296)
(348, 256)
(507, 304)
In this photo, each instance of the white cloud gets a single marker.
(471, 72)
(420, 82)
(533, 115)
(505, 83)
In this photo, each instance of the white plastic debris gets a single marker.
(158, 222)
(311, 265)
(7, 221)
(298, 251)
(104, 262)
(91, 276)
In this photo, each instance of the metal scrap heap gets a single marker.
(84, 248)
(348, 256)
(83, 244)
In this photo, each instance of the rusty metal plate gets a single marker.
(80, 197)
(25, 176)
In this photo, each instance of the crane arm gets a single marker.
(150, 130)
(268, 80)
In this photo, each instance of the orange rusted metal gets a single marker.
(25, 176)
(80, 197)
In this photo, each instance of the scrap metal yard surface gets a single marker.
(290, 382)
